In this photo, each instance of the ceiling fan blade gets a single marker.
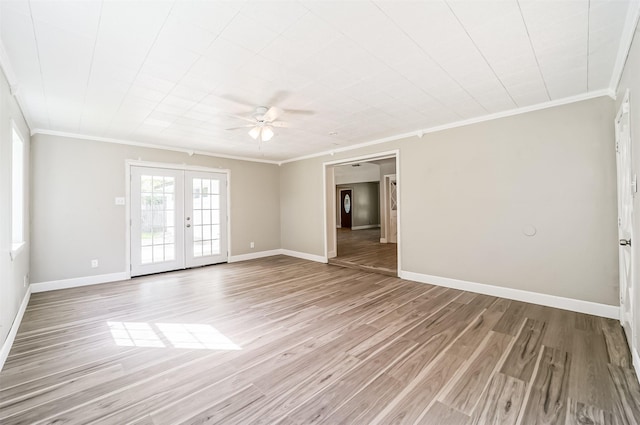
(272, 113)
(278, 97)
(241, 127)
(280, 124)
(240, 117)
(298, 111)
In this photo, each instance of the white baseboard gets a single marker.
(580, 306)
(304, 255)
(78, 281)
(332, 254)
(367, 226)
(6, 346)
(383, 240)
(636, 362)
(253, 255)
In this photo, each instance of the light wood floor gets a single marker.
(361, 249)
(286, 341)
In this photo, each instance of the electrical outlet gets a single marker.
(94, 264)
(252, 245)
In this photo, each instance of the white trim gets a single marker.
(332, 254)
(419, 133)
(636, 362)
(571, 304)
(189, 152)
(367, 226)
(304, 255)
(8, 342)
(14, 85)
(254, 255)
(16, 249)
(173, 166)
(75, 282)
(5, 64)
(383, 240)
(626, 39)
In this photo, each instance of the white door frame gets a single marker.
(330, 218)
(183, 167)
(386, 203)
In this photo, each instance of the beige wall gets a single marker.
(467, 193)
(74, 186)
(12, 272)
(631, 82)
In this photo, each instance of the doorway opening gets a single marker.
(362, 206)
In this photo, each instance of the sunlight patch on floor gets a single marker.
(176, 335)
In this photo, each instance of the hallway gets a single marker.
(361, 249)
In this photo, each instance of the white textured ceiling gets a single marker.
(171, 72)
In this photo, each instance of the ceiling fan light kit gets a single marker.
(264, 119)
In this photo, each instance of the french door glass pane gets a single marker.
(206, 217)
(157, 217)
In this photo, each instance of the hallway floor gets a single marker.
(362, 250)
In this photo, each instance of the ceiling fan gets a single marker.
(263, 121)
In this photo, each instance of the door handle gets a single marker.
(625, 242)
(188, 225)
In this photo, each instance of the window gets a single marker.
(17, 191)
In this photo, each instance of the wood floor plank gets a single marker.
(580, 414)
(367, 403)
(409, 405)
(521, 360)
(440, 414)
(468, 385)
(590, 380)
(547, 401)
(501, 402)
(627, 404)
(317, 408)
(616, 342)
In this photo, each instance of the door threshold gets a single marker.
(370, 269)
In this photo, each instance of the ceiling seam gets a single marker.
(35, 37)
(495, 74)
(93, 55)
(142, 65)
(533, 50)
(174, 86)
(431, 58)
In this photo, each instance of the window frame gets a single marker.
(18, 246)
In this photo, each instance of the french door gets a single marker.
(178, 219)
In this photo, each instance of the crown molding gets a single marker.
(419, 133)
(14, 86)
(628, 32)
(189, 152)
(8, 69)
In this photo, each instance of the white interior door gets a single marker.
(626, 190)
(178, 219)
(205, 217)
